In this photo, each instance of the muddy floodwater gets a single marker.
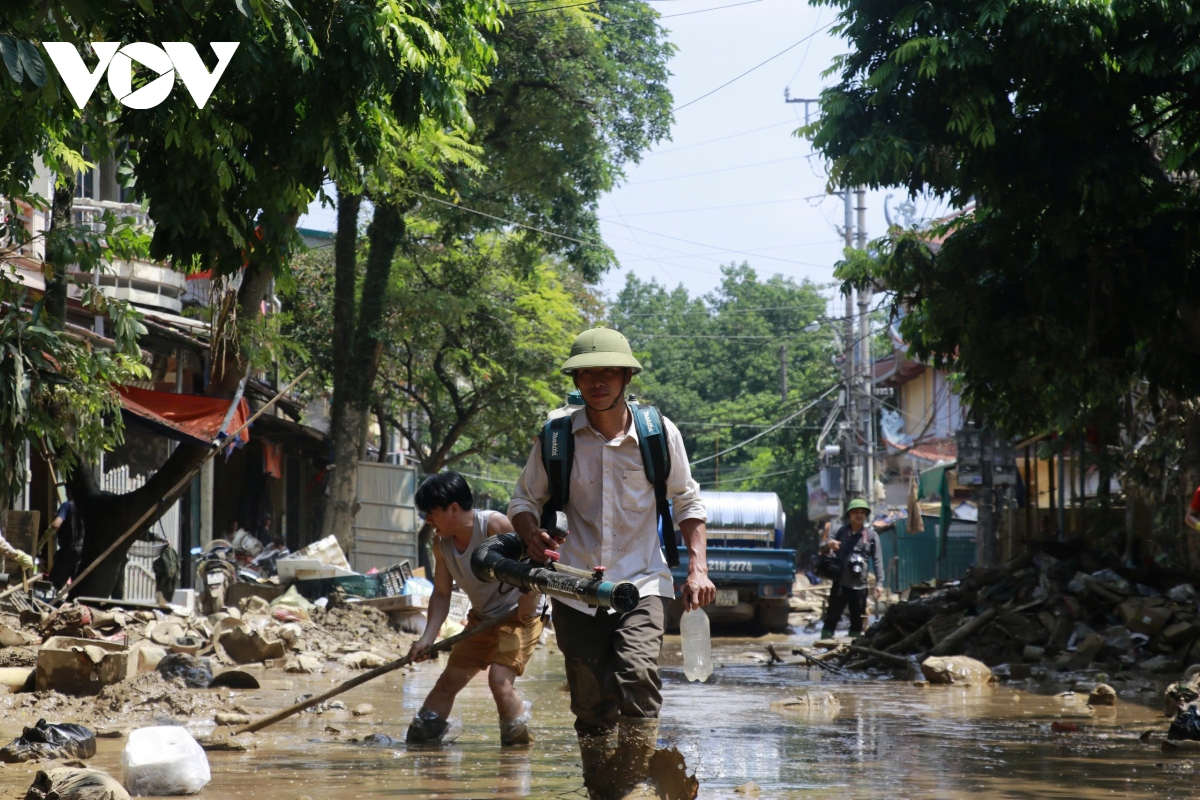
(887, 738)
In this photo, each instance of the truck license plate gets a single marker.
(727, 597)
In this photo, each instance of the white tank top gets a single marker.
(488, 600)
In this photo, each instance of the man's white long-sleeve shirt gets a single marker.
(611, 510)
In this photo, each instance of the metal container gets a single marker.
(747, 519)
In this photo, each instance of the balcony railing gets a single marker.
(90, 213)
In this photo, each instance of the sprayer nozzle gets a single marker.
(625, 597)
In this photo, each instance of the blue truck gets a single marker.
(746, 561)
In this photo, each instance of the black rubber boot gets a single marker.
(427, 727)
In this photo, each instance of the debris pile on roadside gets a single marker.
(1044, 611)
(808, 600)
(92, 661)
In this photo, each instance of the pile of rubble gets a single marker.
(115, 665)
(1040, 609)
(1039, 615)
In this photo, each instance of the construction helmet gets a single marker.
(600, 347)
(858, 502)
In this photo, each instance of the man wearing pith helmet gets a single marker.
(612, 658)
(858, 551)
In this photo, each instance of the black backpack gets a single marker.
(558, 456)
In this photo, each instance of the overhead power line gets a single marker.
(718, 208)
(740, 479)
(722, 138)
(661, 16)
(759, 65)
(509, 221)
(715, 171)
(763, 433)
(715, 247)
(611, 222)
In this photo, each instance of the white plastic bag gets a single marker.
(164, 760)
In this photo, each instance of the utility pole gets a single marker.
(864, 363)
(852, 485)
(807, 101)
(783, 372)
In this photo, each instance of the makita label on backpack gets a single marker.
(554, 444)
(650, 426)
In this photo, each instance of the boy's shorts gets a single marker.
(509, 644)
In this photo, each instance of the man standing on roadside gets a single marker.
(611, 658)
(859, 553)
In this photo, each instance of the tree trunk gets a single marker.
(58, 251)
(340, 506)
(359, 345)
(106, 516)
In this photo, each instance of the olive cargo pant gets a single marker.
(612, 663)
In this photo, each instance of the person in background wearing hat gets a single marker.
(612, 658)
(858, 549)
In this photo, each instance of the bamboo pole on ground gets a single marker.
(359, 680)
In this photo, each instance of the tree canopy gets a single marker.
(474, 342)
(317, 89)
(1068, 131)
(575, 95)
(713, 366)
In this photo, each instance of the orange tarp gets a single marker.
(184, 416)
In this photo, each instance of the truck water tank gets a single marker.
(753, 519)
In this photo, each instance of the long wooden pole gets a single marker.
(214, 448)
(359, 680)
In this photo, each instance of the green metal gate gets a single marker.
(918, 553)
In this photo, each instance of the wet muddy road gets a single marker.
(886, 739)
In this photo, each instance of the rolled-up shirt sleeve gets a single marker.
(682, 491)
(7, 549)
(533, 487)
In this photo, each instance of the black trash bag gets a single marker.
(1186, 724)
(66, 783)
(50, 740)
(196, 672)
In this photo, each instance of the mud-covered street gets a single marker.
(885, 738)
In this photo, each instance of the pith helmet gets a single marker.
(600, 347)
(858, 503)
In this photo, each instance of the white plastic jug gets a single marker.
(164, 760)
(697, 646)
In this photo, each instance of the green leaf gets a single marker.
(147, 6)
(244, 7)
(10, 49)
(31, 61)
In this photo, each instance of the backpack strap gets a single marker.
(558, 455)
(656, 459)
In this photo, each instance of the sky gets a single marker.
(734, 183)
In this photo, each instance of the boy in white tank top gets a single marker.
(446, 502)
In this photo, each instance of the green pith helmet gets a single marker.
(600, 347)
(858, 502)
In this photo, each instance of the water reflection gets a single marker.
(884, 739)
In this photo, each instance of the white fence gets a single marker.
(139, 570)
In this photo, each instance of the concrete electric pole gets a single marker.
(866, 416)
(852, 485)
